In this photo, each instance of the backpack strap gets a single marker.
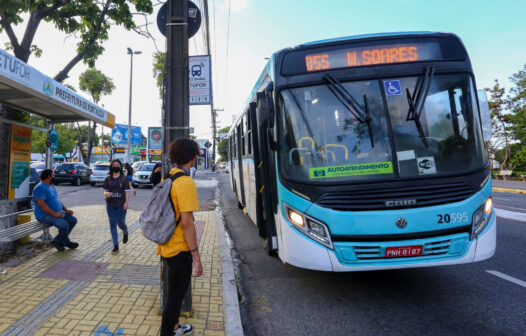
(173, 178)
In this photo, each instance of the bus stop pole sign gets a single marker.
(53, 140)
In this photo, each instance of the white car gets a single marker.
(99, 173)
(142, 176)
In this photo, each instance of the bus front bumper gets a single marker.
(299, 250)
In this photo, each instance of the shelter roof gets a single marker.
(27, 89)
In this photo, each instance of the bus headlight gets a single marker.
(481, 218)
(309, 226)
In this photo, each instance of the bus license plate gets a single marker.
(403, 251)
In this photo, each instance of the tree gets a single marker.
(97, 84)
(517, 105)
(89, 20)
(158, 70)
(222, 146)
(500, 121)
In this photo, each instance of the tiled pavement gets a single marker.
(89, 291)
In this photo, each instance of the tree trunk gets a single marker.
(503, 165)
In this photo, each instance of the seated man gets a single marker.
(49, 210)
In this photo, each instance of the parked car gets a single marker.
(40, 166)
(137, 165)
(98, 173)
(222, 165)
(75, 173)
(34, 178)
(142, 176)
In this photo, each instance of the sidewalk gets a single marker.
(509, 186)
(89, 291)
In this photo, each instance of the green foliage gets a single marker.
(68, 136)
(89, 21)
(222, 146)
(96, 83)
(158, 70)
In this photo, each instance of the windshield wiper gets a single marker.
(418, 99)
(347, 100)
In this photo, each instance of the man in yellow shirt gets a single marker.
(181, 250)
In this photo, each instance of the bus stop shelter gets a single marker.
(24, 88)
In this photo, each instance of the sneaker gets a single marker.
(71, 245)
(115, 249)
(184, 329)
(58, 246)
(124, 238)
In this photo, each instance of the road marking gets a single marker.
(508, 278)
(503, 199)
(518, 216)
(510, 207)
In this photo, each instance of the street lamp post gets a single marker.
(128, 150)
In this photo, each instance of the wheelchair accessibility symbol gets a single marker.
(393, 88)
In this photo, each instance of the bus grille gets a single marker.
(376, 252)
(376, 199)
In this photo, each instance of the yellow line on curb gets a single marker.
(517, 191)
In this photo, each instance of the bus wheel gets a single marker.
(239, 205)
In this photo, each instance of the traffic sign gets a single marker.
(200, 80)
(193, 19)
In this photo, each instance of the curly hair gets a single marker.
(182, 151)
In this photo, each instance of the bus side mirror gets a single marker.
(485, 115)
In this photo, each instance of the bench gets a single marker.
(22, 230)
(504, 175)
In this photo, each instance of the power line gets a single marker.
(227, 45)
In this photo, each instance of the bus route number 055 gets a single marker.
(456, 217)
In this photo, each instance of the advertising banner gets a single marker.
(155, 141)
(200, 80)
(19, 160)
(119, 134)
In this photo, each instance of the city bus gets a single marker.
(366, 153)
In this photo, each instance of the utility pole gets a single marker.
(176, 109)
(214, 127)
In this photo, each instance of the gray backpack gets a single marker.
(158, 221)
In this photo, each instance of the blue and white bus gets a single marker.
(366, 153)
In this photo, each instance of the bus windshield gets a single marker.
(341, 131)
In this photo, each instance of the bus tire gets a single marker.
(239, 205)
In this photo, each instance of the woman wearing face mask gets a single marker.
(117, 193)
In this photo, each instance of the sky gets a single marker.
(492, 31)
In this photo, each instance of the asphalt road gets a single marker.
(485, 298)
(510, 201)
(87, 195)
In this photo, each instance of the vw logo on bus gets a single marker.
(401, 222)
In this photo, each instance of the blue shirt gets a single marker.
(49, 195)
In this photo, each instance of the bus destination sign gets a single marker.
(372, 55)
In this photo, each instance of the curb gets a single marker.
(232, 314)
(516, 191)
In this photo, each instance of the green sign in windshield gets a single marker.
(351, 170)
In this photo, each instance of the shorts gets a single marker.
(130, 178)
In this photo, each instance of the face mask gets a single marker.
(115, 169)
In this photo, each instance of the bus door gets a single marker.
(258, 164)
(240, 149)
(267, 167)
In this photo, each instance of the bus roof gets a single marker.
(363, 36)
